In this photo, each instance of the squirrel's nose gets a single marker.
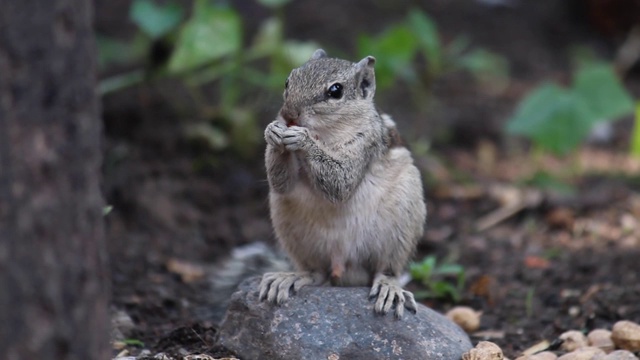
(289, 115)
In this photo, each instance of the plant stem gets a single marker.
(635, 137)
(120, 82)
(529, 301)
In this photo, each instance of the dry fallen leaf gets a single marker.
(536, 262)
(512, 200)
(539, 347)
(485, 287)
(561, 217)
(189, 272)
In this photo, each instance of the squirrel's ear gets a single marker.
(318, 54)
(366, 76)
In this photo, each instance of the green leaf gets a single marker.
(457, 46)
(114, 51)
(106, 210)
(555, 119)
(462, 278)
(245, 133)
(297, 53)
(547, 181)
(208, 134)
(422, 294)
(120, 81)
(443, 289)
(481, 62)
(422, 270)
(212, 33)
(449, 269)
(155, 20)
(133, 342)
(273, 3)
(394, 50)
(582, 55)
(417, 273)
(426, 32)
(288, 55)
(489, 69)
(600, 88)
(269, 37)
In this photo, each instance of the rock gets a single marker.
(334, 323)
(122, 325)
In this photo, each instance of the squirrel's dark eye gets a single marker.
(335, 91)
(286, 84)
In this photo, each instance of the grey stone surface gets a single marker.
(334, 323)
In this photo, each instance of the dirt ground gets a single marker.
(555, 261)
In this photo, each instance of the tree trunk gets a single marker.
(53, 280)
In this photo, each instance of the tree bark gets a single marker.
(53, 271)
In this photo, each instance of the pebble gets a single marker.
(485, 350)
(465, 317)
(573, 340)
(583, 353)
(626, 335)
(601, 338)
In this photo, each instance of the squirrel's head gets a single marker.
(326, 89)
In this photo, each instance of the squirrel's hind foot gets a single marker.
(388, 292)
(275, 286)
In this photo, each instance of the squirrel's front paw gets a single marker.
(274, 132)
(296, 138)
(387, 293)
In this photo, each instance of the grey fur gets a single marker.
(346, 206)
(319, 53)
(244, 262)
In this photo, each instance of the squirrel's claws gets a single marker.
(388, 293)
(295, 138)
(275, 287)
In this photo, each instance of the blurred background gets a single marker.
(521, 114)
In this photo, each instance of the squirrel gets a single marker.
(345, 198)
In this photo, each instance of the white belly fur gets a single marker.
(374, 231)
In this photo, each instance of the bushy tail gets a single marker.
(245, 261)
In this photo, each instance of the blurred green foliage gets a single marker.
(400, 47)
(436, 279)
(208, 54)
(133, 342)
(212, 33)
(559, 119)
(156, 20)
(112, 51)
(207, 49)
(274, 4)
(550, 182)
